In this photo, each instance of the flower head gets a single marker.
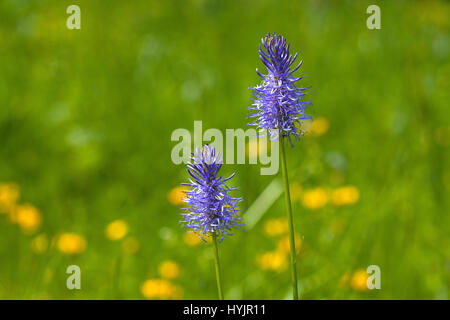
(27, 217)
(210, 211)
(359, 280)
(315, 198)
(116, 230)
(277, 104)
(9, 194)
(176, 195)
(161, 289)
(169, 269)
(345, 195)
(71, 243)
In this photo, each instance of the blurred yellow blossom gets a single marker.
(71, 243)
(169, 269)
(319, 126)
(39, 244)
(284, 246)
(176, 195)
(27, 217)
(161, 289)
(315, 198)
(295, 191)
(9, 194)
(254, 148)
(345, 195)
(273, 260)
(130, 245)
(359, 280)
(191, 239)
(206, 239)
(276, 227)
(116, 230)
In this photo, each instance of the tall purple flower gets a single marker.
(211, 211)
(277, 104)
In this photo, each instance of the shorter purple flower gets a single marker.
(211, 211)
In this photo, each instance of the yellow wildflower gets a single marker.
(359, 280)
(274, 260)
(161, 289)
(276, 227)
(116, 230)
(345, 195)
(319, 126)
(71, 243)
(9, 194)
(169, 269)
(254, 148)
(284, 246)
(191, 239)
(130, 245)
(176, 195)
(27, 217)
(39, 244)
(315, 198)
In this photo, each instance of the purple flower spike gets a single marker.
(277, 104)
(211, 210)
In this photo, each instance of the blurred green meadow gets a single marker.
(86, 176)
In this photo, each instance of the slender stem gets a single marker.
(216, 254)
(287, 198)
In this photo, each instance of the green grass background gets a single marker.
(86, 117)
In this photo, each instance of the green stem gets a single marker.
(216, 254)
(287, 198)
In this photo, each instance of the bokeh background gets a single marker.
(86, 176)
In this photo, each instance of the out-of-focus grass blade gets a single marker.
(263, 203)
